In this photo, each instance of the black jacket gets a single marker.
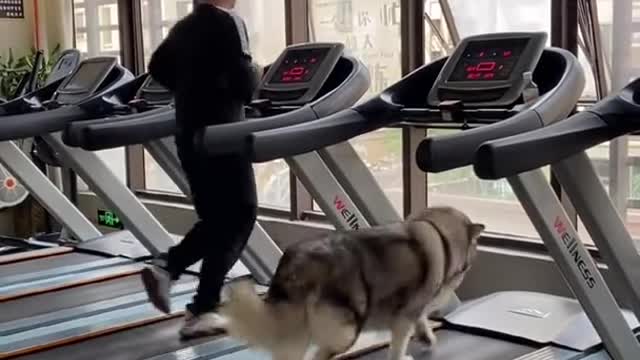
(202, 62)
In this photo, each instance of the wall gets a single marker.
(17, 33)
(56, 24)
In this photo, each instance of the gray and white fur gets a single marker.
(327, 291)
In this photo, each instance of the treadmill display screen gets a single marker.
(299, 66)
(86, 76)
(489, 60)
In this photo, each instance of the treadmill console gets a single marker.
(85, 80)
(492, 70)
(65, 65)
(154, 94)
(300, 72)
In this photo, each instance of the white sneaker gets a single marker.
(157, 282)
(206, 324)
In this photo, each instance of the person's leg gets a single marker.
(168, 268)
(228, 236)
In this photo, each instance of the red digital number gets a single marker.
(486, 66)
(297, 71)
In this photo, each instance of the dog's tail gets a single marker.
(271, 326)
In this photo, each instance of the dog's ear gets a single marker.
(475, 230)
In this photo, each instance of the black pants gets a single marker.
(224, 196)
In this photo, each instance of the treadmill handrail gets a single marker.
(34, 124)
(314, 135)
(496, 159)
(458, 150)
(78, 134)
(116, 133)
(442, 153)
(606, 120)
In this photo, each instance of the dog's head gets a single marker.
(455, 226)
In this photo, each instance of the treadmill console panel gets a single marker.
(154, 94)
(300, 72)
(65, 65)
(85, 80)
(489, 70)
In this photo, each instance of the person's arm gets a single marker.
(164, 62)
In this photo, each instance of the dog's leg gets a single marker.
(332, 330)
(425, 331)
(400, 336)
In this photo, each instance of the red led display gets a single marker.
(488, 60)
(299, 66)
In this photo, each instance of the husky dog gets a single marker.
(326, 291)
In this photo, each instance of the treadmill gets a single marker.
(336, 82)
(563, 145)
(489, 81)
(339, 82)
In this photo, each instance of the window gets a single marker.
(370, 29)
(96, 28)
(487, 16)
(97, 34)
(107, 19)
(619, 27)
(266, 26)
(158, 16)
(490, 202)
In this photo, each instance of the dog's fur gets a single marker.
(326, 291)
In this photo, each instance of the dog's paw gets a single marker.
(425, 333)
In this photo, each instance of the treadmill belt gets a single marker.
(139, 343)
(453, 345)
(34, 265)
(69, 298)
(72, 297)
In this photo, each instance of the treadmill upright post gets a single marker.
(47, 194)
(118, 197)
(326, 190)
(604, 224)
(576, 264)
(351, 172)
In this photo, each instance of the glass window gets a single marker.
(266, 26)
(488, 16)
(621, 59)
(370, 29)
(492, 203)
(97, 34)
(96, 27)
